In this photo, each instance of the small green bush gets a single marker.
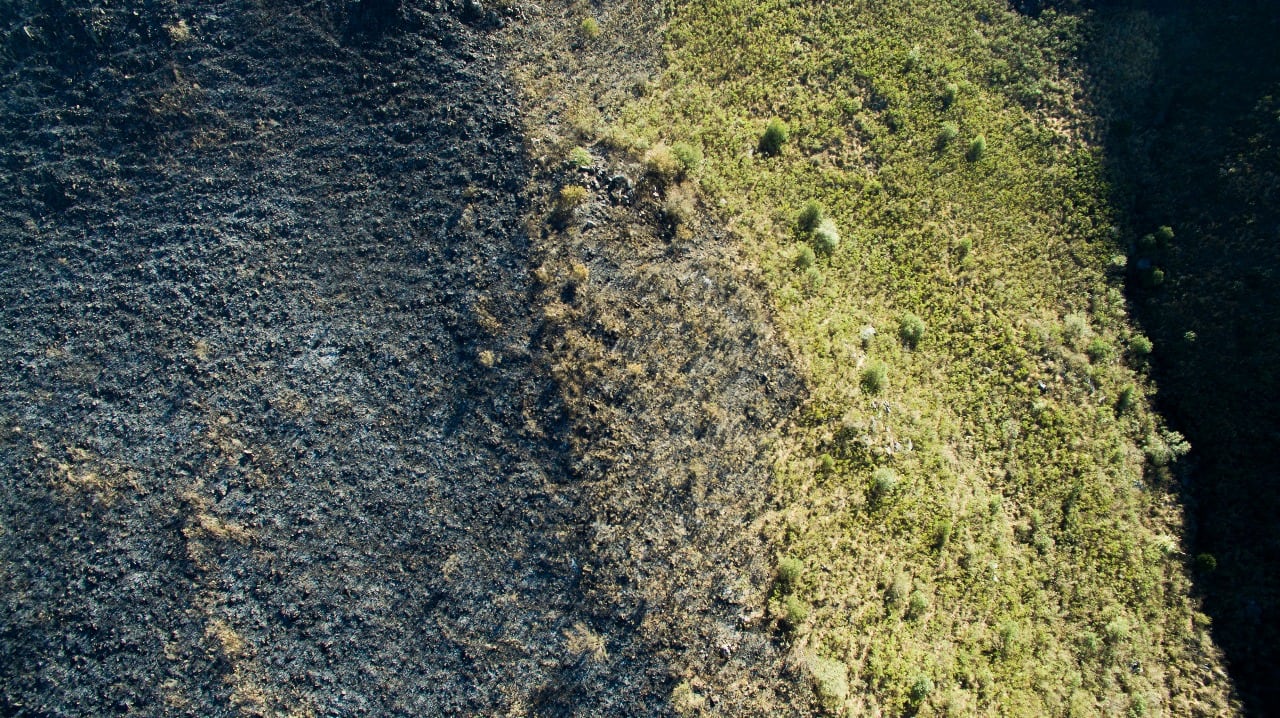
(875, 377)
(775, 136)
(948, 133)
(1140, 347)
(580, 158)
(921, 689)
(797, 611)
(917, 604)
(1098, 350)
(826, 464)
(1118, 630)
(689, 157)
(1164, 235)
(1127, 398)
(811, 215)
(977, 148)
(911, 329)
(830, 683)
(950, 93)
(805, 257)
(662, 164)
(941, 534)
(789, 571)
(826, 237)
(884, 482)
(589, 28)
(1206, 563)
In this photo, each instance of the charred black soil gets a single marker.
(287, 425)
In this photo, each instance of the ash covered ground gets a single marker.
(285, 427)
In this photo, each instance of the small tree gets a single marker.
(911, 329)
(977, 148)
(811, 215)
(775, 136)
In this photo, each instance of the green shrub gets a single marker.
(875, 377)
(950, 93)
(1127, 398)
(941, 534)
(689, 157)
(796, 611)
(917, 604)
(826, 237)
(830, 683)
(1206, 563)
(911, 329)
(811, 215)
(1147, 243)
(589, 28)
(948, 133)
(1074, 328)
(1117, 631)
(826, 464)
(977, 148)
(572, 196)
(921, 689)
(884, 482)
(775, 136)
(789, 571)
(1154, 277)
(1164, 235)
(805, 257)
(1140, 347)
(580, 158)
(1098, 350)
(662, 164)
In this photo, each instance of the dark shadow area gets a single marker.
(1189, 96)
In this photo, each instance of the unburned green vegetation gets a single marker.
(982, 504)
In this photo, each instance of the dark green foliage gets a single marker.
(826, 237)
(946, 134)
(1140, 347)
(805, 257)
(875, 377)
(911, 329)
(950, 93)
(811, 215)
(1128, 396)
(921, 689)
(1206, 563)
(941, 534)
(917, 604)
(796, 611)
(1099, 350)
(689, 157)
(977, 148)
(1164, 235)
(789, 571)
(884, 483)
(775, 136)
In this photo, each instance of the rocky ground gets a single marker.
(309, 408)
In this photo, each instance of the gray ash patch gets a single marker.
(284, 426)
(253, 460)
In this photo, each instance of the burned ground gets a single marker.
(285, 424)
